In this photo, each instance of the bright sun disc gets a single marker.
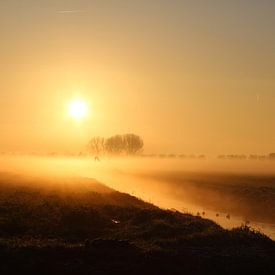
(78, 109)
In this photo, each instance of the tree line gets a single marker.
(270, 156)
(128, 144)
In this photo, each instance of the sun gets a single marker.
(78, 109)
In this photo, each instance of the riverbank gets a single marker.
(76, 226)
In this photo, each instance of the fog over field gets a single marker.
(229, 192)
(137, 137)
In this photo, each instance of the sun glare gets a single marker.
(78, 109)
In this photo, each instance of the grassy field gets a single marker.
(79, 226)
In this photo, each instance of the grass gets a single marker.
(77, 226)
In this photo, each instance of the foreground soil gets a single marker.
(78, 226)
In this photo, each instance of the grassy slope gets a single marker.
(76, 226)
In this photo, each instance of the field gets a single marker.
(229, 192)
(75, 225)
(137, 137)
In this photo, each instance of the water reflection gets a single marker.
(159, 193)
(230, 200)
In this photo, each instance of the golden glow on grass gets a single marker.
(78, 109)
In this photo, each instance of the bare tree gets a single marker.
(114, 145)
(96, 145)
(129, 144)
(132, 144)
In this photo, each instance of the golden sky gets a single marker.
(188, 76)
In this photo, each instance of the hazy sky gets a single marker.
(189, 76)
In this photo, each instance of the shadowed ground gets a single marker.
(78, 226)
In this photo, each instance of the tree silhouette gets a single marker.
(132, 144)
(96, 145)
(129, 144)
(114, 145)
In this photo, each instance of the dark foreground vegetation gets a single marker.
(77, 226)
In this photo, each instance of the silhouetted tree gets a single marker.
(132, 144)
(96, 145)
(129, 144)
(114, 144)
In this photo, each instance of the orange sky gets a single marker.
(188, 76)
